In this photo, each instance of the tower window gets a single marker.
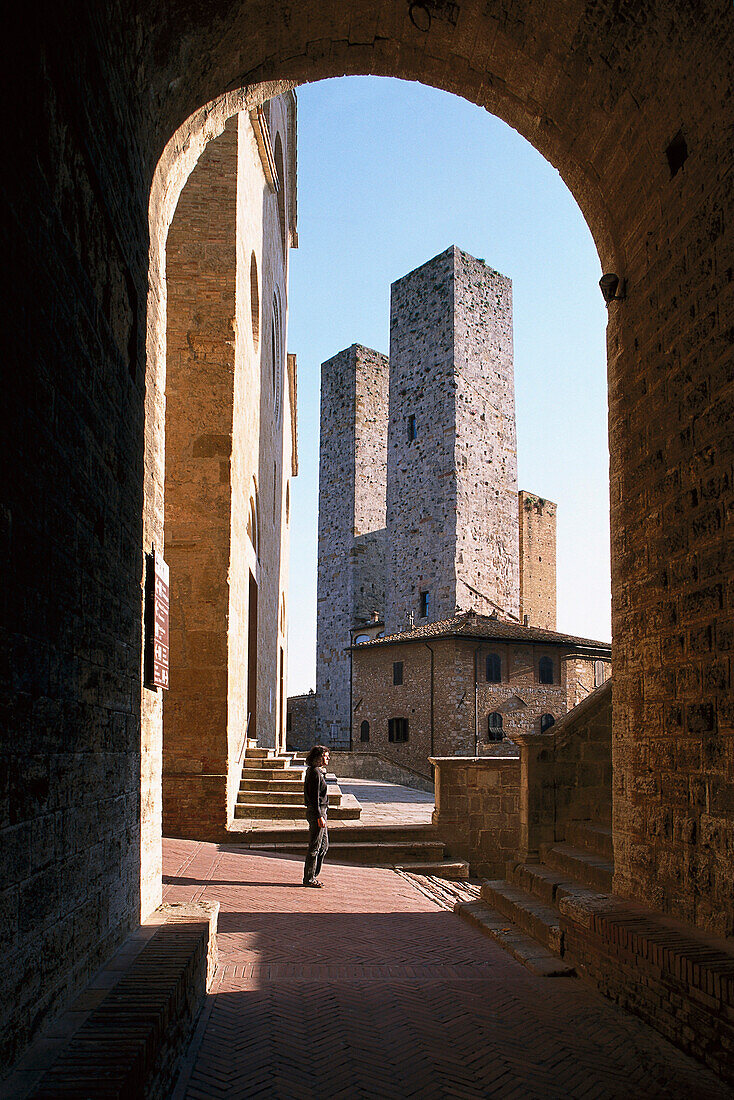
(397, 729)
(425, 604)
(494, 726)
(545, 670)
(412, 431)
(397, 672)
(364, 731)
(546, 721)
(494, 668)
(599, 671)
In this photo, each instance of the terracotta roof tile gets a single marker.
(468, 624)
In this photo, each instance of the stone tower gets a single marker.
(452, 505)
(537, 561)
(351, 548)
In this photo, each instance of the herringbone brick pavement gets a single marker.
(368, 989)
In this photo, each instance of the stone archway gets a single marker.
(617, 122)
(627, 100)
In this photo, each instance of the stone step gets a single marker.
(294, 774)
(286, 783)
(367, 853)
(343, 832)
(349, 810)
(257, 753)
(528, 912)
(272, 763)
(522, 947)
(278, 798)
(592, 836)
(455, 869)
(546, 883)
(581, 866)
(281, 775)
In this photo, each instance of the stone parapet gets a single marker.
(477, 810)
(566, 773)
(671, 975)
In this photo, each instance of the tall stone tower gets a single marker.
(452, 505)
(351, 550)
(537, 561)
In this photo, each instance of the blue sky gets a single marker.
(391, 173)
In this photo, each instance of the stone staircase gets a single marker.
(271, 788)
(271, 797)
(522, 912)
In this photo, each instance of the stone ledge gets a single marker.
(677, 979)
(123, 1035)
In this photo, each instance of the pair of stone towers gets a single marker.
(419, 512)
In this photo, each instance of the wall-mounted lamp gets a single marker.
(612, 288)
(420, 17)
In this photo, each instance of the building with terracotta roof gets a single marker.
(464, 686)
(424, 537)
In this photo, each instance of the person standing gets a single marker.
(316, 799)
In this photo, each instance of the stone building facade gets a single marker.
(463, 686)
(419, 513)
(230, 456)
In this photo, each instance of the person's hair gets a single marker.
(316, 755)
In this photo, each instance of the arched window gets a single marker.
(599, 673)
(364, 731)
(545, 670)
(361, 638)
(280, 169)
(254, 302)
(276, 356)
(546, 721)
(494, 668)
(494, 726)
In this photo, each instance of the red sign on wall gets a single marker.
(159, 612)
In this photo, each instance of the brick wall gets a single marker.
(376, 699)
(201, 275)
(228, 444)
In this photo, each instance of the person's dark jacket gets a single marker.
(315, 796)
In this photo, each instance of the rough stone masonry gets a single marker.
(419, 514)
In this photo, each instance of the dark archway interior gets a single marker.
(630, 102)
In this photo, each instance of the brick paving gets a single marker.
(367, 988)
